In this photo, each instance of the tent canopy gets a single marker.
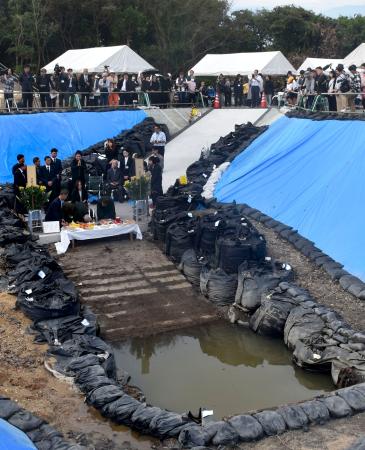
(119, 58)
(267, 63)
(357, 56)
(319, 62)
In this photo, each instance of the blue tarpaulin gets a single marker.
(11, 438)
(35, 134)
(309, 175)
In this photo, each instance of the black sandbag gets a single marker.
(121, 409)
(88, 373)
(80, 362)
(162, 219)
(354, 398)
(143, 416)
(16, 253)
(336, 406)
(7, 408)
(194, 436)
(272, 422)
(231, 252)
(49, 300)
(359, 444)
(269, 319)
(103, 395)
(10, 234)
(95, 382)
(218, 286)
(208, 229)
(247, 427)
(167, 424)
(316, 411)
(225, 435)
(302, 323)
(254, 282)
(25, 421)
(294, 416)
(179, 238)
(62, 328)
(190, 265)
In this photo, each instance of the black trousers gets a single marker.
(45, 100)
(10, 98)
(85, 99)
(238, 99)
(27, 100)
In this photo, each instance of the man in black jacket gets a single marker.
(26, 82)
(156, 178)
(126, 87)
(85, 87)
(105, 209)
(321, 81)
(61, 86)
(54, 212)
(126, 166)
(72, 88)
(48, 177)
(37, 165)
(21, 162)
(20, 178)
(57, 168)
(44, 84)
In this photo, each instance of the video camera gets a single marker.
(57, 69)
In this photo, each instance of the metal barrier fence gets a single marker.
(89, 101)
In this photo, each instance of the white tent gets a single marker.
(319, 62)
(119, 58)
(356, 57)
(267, 63)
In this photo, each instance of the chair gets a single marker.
(94, 185)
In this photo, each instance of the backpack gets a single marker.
(345, 85)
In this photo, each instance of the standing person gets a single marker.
(158, 139)
(125, 88)
(104, 86)
(9, 80)
(156, 178)
(48, 177)
(227, 92)
(26, 82)
(332, 103)
(255, 87)
(56, 164)
(44, 85)
(291, 90)
(355, 86)
(37, 165)
(158, 155)
(153, 90)
(71, 88)
(246, 92)
(180, 85)
(21, 162)
(268, 89)
(110, 148)
(342, 87)
(20, 178)
(61, 85)
(309, 87)
(238, 91)
(321, 81)
(220, 89)
(78, 169)
(126, 166)
(191, 90)
(85, 86)
(95, 93)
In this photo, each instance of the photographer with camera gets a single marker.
(8, 79)
(61, 83)
(26, 81)
(85, 85)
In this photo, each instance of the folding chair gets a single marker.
(94, 186)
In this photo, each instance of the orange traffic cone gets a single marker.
(216, 104)
(263, 101)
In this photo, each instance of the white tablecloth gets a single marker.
(99, 231)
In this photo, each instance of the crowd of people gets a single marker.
(68, 197)
(335, 89)
(65, 89)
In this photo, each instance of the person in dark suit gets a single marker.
(20, 178)
(44, 84)
(85, 86)
(61, 84)
(76, 212)
(21, 162)
(126, 165)
(114, 179)
(48, 176)
(54, 212)
(78, 169)
(105, 209)
(37, 164)
(79, 193)
(126, 87)
(72, 87)
(56, 164)
(26, 82)
(156, 178)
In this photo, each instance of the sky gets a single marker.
(332, 8)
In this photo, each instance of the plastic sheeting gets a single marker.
(14, 439)
(35, 134)
(309, 175)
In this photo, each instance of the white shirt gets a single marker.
(80, 195)
(158, 139)
(124, 86)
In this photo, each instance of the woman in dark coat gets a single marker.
(78, 169)
(79, 193)
(156, 178)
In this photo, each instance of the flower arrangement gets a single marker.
(33, 197)
(138, 188)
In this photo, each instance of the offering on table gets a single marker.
(118, 220)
